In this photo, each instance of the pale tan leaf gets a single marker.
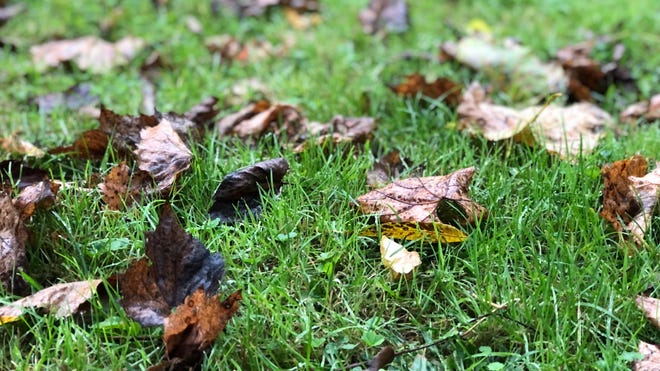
(651, 360)
(13, 236)
(646, 189)
(651, 309)
(397, 259)
(14, 144)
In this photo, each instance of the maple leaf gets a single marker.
(73, 98)
(567, 131)
(121, 187)
(62, 300)
(397, 259)
(180, 264)
(240, 193)
(648, 110)
(444, 88)
(88, 53)
(13, 236)
(383, 16)
(425, 200)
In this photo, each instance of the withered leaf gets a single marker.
(62, 300)
(418, 200)
(13, 236)
(442, 87)
(14, 144)
(39, 194)
(651, 309)
(259, 117)
(433, 232)
(651, 360)
(194, 325)
(121, 187)
(646, 190)
(231, 49)
(397, 259)
(385, 16)
(240, 193)
(203, 112)
(252, 8)
(162, 154)
(73, 98)
(91, 144)
(180, 264)
(88, 53)
(382, 359)
(340, 129)
(16, 174)
(567, 131)
(387, 168)
(648, 110)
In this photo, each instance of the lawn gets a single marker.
(315, 293)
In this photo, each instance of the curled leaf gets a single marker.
(397, 259)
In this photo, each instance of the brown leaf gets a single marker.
(340, 129)
(385, 16)
(88, 53)
(75, 97)
(180, 264)
(231, 49)
(162, 154)
(91, 144)
(124, 129)
(121, 187)
(254, 8)
(651, 309)
(387, 168)
(62, 300)
(240, 192)
(382, 359)
(194, 325)
(15, 174)
(14, 144)
(203, 112)
(425, 200)
(651, 360)
(259, 117)
(41, 194)
(619, 201)
(648, 110)
(441, 87)
(13, 236)
(646, 190)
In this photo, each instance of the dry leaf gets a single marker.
(651, 360)
(13, 236)
(397, 259)
(14, 144)
(92, 144)
(260, 117)
(382, 359)
(202, 112)
(34, 186)
(340, 129)
(567, 131)
(646, 190)
(75, 97)
(432, 232)
(647, 110)
(382, 16)
(425, 200)
(619, 201)
(252, 8)
(180, 264)
(62, 300)
(41, 194)
(89, 53)
(162, 154)
(240, 192)
(444, 88)
(121, 187)
(386, 169)
(301, 21)
(651, 309)
(231, 49)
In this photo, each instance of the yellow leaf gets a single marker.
(478, 25)
(397, 259)
(432, 232)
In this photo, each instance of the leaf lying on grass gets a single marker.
(62, 300)
(442, 87)
(648, 110)
(240, 192)
(258, 7)
(432, 232)
(121, 187)
(567, 131)
(13, 236)
(397, 259)
(387, 168)
(15, 145)
(651, 352)
(73, 98)
(383, 16)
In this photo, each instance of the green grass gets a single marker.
(315, 292)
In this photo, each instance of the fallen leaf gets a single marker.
(255, 8)
(386, 169)
(567, 131)
(40, 194)
(202, 112)
(180, 264)
(13, 236)
(647, 110)
(16, 175)
(444, 88)
(73, 98)
(651, 360)
(194, 325)
(340, 129)
(301, 21)
(382, 16)
(62, 300)
(9, 12)
(91, 144)
(231, 49)
(122, 187)
(162, 154)
(382, 359)
(240, 193)
(397, 259)
(432, 232)
(646, 190)
(88, 53)
(15, 145)
(259, 117)
(419, 200)
(651, 309)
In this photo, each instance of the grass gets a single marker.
(316, 294)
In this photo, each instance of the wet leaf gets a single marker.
(383, 16)
(91, 144)
(646, 110)
(35, 189)
(75, 97)
(386, 169)
(203, 112)
(61, 300)
(432, 232)
(40, 194)
(415, 84)
(240, 193)
(122, 187)
(425, 200)
(651, 360)
(397, 259)
(15, 145)
(88, 53)
(180, 264)
(13, 236)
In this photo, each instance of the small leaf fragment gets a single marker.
(651, 360)
(397, 259)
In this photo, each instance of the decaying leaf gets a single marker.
(240, 193)
(194, 325)
(13, 236)
(15, 174)
(425, 200)
(382, 359)
(252, 8)
(385, 16)
(202, 112)
(180, 264)
(90, 144)
(651, 360)
(340, 129)
(646, 190)
(651, 309)
(62, 300)
(121, 187)
(40, 194)
(88, 53)
(259, 117)
(162, 154)
(508, 63)
(647, 110)
(442, 87)
(33, 185)
(397, 259)
(231, 49)
(567, 131)
(387, 168)
(14, 144)
(432, 232)
(73, 98)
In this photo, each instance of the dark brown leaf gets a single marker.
(41, 194)
(240, 192)
(387, 168)
(444, 88)
(260, 117)
(180, 264)
(203, 112)
(92, 144)
(15, 174)
(13, 236)
(385, 16)
(620, 203)
(73, 98)
(121, 187)
(340, 129)
(382, 359)
(124, 129)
